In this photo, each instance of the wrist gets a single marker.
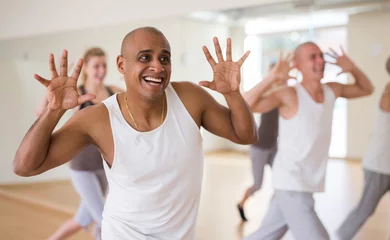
(232, 94)
(54, 113)
(270, 79)
(353, 69)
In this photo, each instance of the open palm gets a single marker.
(61, 89)
(343, 61)
(227, 76)
(282, 69)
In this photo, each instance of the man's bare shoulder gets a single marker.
(194, 98)
(190, 91)
(284, 91)
(187, 87)
(92, 116)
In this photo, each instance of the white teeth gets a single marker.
(159, 80)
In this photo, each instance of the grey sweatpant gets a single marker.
(375, 186)
(260, 157)
(92, 187)
(291, 210)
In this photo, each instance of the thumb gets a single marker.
(207, 84)
(42, 80)
(85, 98)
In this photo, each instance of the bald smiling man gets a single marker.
(305, 126)
(148, 136)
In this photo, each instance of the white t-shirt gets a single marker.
(156, 177)
(377, 157)
(303, 144)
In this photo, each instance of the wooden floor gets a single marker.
(33, 212)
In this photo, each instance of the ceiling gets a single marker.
(300, 7)
(22, 18)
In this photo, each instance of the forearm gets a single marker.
(34, 147)
(254, 96)
(242, 120)
(362, 81)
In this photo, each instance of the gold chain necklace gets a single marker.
(132, 117)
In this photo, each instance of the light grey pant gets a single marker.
(291, 210)
(260, 157)
(375, 186)
(92, 187)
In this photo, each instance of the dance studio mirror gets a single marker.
(319, 168)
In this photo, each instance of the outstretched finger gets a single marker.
(42, 80)
(77, 69)
(243, 58)
(287, 56)
(280, 56)
(334, 53)
(64, 63)
(291, 57)
(229, 50)
(331, 55)
(85, 98)
(209, 58)
(218, 50)
(207, 84)
(52, 66)
(342, 50)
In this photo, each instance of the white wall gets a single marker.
(18, 99)
(369, 47)
(20, 58)
(194, 66)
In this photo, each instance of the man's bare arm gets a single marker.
(361, 87)
(42, 150)
(235, 123)
(260, 98)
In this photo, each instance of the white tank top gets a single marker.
(303, 144)
(377, 157)
(156, 176)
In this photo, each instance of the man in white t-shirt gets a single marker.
(305, 125)
(148, 136)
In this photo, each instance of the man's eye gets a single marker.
(165, 59)
(144, 58)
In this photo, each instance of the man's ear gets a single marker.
(120, 63)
